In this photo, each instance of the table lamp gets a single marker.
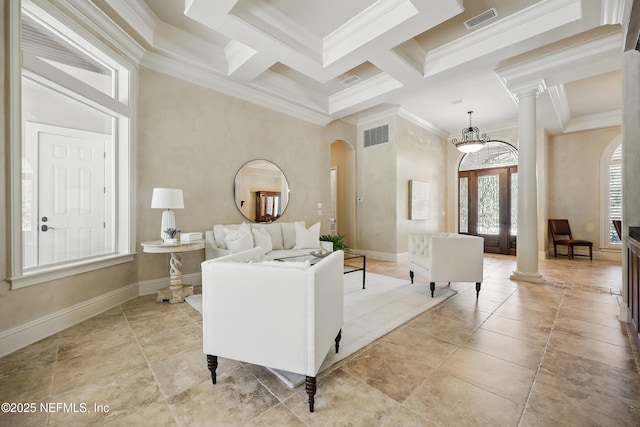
(167, 199)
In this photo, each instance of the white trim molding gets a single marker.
(28, 333)
(21, 336)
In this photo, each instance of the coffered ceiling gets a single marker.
(331, 59)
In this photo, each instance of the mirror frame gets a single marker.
(261, 183)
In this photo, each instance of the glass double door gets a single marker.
(487, 207)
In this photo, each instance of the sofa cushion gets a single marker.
(219, 233)
(307, 238)
(238, 240)
(275, 232)
(262, 239)
(289, 234)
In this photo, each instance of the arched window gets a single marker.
(611, 209)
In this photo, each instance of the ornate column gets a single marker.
(527, 253)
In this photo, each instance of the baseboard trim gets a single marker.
(31, 332)
(381, 256)
(28, 333)
(148, 287)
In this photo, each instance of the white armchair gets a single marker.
(446, 257)
(284, 315)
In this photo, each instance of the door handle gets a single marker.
(46, 227)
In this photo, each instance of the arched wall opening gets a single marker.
(343, 191)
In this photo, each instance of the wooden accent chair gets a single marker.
(561, 235)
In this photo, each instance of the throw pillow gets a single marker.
(238, 240)
(307, 238)
(262, 239)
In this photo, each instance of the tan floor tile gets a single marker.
(469, 300)
(403, 417)
(598, 318)
(523, 353)
(236, 399)
(279, 416)
(181, 371)
(85, 369)
(172, 320)
(616, 335)
(342, 399)
(386, 368)
(526, 331)
(621, 357)
(564, 404)
(94, 341)
(449, 401)
(583, 373)
(172, 341)
(108, 399)
(503, 378)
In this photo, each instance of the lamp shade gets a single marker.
(167, 198)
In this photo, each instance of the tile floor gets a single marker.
(520, 355)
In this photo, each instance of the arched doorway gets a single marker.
(487, 196)
(342, 178)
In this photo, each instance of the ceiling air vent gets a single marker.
(350, 80)
(481, 19)
(376, 136)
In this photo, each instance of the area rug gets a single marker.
(369, 313)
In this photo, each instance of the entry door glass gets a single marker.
(489, 204)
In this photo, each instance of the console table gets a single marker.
(176, 292)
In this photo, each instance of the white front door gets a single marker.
(71, 194)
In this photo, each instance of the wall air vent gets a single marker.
(376, 136)
(481, 19)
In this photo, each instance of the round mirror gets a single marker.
(261, 191)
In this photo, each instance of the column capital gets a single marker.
(532, 88)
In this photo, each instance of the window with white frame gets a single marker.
(71, 143)
(611, 198)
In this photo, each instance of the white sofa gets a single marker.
(284, 315)
(278, 239)
(446, 257)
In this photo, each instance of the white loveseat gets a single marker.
(446, 257)
(283, 315)
(277, 239)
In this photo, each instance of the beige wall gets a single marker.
(197, 139)
(376, 185)
(574, 180)
(421, 155)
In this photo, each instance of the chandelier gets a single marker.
(471, 140)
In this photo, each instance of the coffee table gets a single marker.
(352, 262)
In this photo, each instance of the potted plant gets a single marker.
(338, 241)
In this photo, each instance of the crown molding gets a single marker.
(588, 54)
(417, 120)
(99, 23)
(280, 86)
(528, 23)
(594, 121)
(560, 103)
(377, 85)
